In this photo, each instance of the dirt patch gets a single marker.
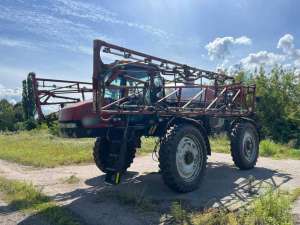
(142, 198)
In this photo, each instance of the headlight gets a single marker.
(68, 125)
(90, 121)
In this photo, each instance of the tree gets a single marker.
(18, 111)
(25, 99)
(7, 119)
(28, 98)
(279, 107)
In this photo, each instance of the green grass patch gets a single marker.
(272, 208)
(220, 144)
(40, 149)
(148, 144)
(269, 148)
(26, 197)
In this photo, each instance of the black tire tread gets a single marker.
(166, 149)
(100, 154)
(235, 138)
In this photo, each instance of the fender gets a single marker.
(199, 125)
(250, 120)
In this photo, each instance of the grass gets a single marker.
(26, 197)
(272, 208)
(40, 149)
(148, 145)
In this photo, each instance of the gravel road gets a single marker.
(142, 198)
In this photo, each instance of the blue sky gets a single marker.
(54, 37)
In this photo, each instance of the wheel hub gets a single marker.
(188, 158)
(249, 147)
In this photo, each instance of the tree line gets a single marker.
(278, 108)
(20, 116)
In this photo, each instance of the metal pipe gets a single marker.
(173, 92)
(213, 102)
(235, 96)
(193, 98)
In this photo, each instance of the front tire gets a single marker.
(244, 145)
(102, 155)
(183, 158)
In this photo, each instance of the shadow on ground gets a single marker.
(143, 198)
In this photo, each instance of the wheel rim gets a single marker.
(249, 147)
(189, 158)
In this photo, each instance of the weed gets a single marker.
(179, 215)
(135, 198)
(271, 208)
(269, 148)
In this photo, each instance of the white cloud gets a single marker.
(68, 23)
(10, 91)
(15, 43)
(220, 47)
(255, 60)
(12, 95)
(243, 40)
(286, 43)
(12, 101)
(97, 13)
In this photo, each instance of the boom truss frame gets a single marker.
(233, 99)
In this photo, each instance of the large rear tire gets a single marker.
(102, 150)
(183, 158)
(244, 145)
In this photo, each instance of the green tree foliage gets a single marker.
(28, 98)
(278, 108)
(25, 99)
(28, 104)
(20, 115)
(11, 116)
(7, 119)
